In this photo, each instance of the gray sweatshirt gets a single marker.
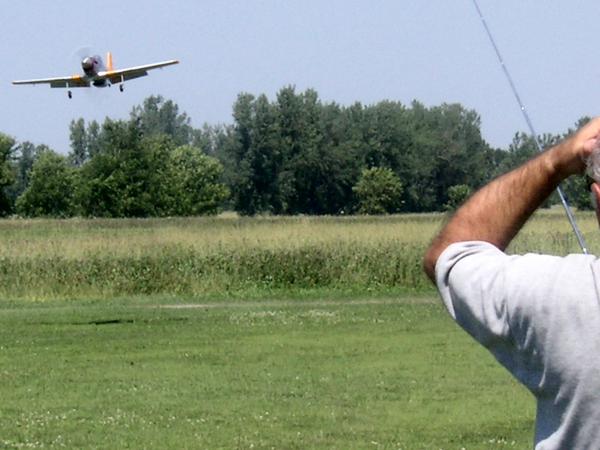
(539, 315)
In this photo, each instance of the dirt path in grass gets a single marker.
(267, 303)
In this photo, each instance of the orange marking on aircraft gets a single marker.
(109, 62)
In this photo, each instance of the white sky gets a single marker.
(433, 51)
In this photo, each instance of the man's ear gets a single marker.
(596, 199)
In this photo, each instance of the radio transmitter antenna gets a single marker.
(513, 88)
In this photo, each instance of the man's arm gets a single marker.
(498, 210)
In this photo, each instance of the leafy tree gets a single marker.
(196, 182)
(93, 139)
(577, 192)
(159, 116)
(457, 194)
(379, 191)
(289, 156)
(50, 191)
(130, 177)
(521, 149)
(341, 149)
(99, 187)
(449, 150)
(388, 136)
(134, 176)
(255, 153)
(210, 139)
(23, 160)
(136, 168)
(294, 155)
(306, 162)
(104, 179)
(298, 155)
(238, 172)
(79, 144)
(298, 142)
(7, 175)
(146, 173)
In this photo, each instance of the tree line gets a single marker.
(293, 155)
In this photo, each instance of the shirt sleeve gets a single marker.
(471, 277)
(515, 302)
(539, 315)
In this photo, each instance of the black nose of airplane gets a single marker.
(87, 64)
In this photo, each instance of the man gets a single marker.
(538, 314)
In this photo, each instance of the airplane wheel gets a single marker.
(70, 94)
(121, 87)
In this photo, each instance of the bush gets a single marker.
(50, 190)
(379, 191)
(457, 195)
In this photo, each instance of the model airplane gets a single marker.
(98, 74)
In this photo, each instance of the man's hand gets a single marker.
(579, 147)
(497, 211)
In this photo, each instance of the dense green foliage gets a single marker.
(298, 155)
(196, 182)
(293, 155)
(143, 167)
(7, 148)
(457, 195)
(379, 191)
(50, 189)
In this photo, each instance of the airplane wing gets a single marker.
(114, 76)
(120, 75)
(58, 82)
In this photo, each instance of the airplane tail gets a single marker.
(109, 62)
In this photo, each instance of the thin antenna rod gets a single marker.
(563, 199)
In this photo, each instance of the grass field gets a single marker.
(263, 333)
(359, 374)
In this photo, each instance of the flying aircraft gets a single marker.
(98, 74)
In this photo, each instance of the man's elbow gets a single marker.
(429, 261)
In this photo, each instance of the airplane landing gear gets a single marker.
(70, 94)
(121, 87)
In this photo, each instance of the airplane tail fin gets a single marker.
(109, 62)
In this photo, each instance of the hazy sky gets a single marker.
(433, 51)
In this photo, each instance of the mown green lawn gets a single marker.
(318, 374)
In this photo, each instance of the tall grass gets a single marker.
(42, 259)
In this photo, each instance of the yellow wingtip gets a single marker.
(109, 62)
